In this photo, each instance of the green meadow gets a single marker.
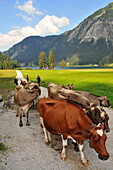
(96, 81)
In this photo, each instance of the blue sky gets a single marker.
(23, 18)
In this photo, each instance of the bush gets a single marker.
(28, 68)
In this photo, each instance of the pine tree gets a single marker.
(51, 63)
(62, 64)
(42, 60)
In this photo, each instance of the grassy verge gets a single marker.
(96, 81)
(6, 82)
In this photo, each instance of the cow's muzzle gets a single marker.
(107, 130)
(102, 157)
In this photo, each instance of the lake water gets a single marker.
(65, 68)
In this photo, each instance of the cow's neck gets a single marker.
(85, 126)
(85, 122)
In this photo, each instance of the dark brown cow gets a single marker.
(24, 99)
(70, 120)
(98, 100)
(98, 115)
(57, 92)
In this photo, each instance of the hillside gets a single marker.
(89, 42)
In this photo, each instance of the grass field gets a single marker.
(96, 81)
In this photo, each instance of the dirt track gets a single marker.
(27, 150)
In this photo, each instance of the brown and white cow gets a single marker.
(98, 100)
(24, 98)
(70, 120)
(97, 114)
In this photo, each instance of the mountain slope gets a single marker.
(89, 42)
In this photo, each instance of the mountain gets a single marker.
(90, 42)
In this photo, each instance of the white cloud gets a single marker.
(24, 17)
(28, 8)
(48, 25)
(16, 27)
(39, 12)
(51, 24)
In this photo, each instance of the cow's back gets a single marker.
(60, 116)
(91, 97)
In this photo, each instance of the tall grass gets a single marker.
(96, 81)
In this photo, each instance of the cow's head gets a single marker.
(97, 140)
(93, 113)
(104, 101)
(105, 118)
(35, 87)
(18, 82)
(98, 115)
(53, 89)
(69, 86)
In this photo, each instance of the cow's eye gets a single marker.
(95, 140)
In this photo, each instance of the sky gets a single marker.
(22, 18)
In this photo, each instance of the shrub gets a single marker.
(28, 68)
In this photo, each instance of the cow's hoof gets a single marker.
(85, 163)
(50, 142)
(23, 115)
(17, 115)
(47, 143)
(63, 158)
(20, 124)
(27, 124)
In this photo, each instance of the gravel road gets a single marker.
(27, 150)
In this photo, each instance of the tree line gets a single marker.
(43, 62)
(7, 63)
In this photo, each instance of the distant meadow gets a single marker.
(96, 81)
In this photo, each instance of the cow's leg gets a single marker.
(20, 115)
(27, 120)
(24, 114)
(41, 122)
(25, 109)
(63, 154)
(106, 126)
(17, 111)
(44, 130)
(49, 137)
(84, 161)
(76, 148)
